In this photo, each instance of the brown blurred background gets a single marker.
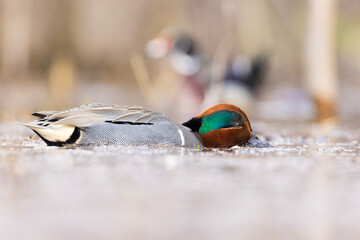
(61, 53)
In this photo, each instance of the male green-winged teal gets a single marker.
(220, 126)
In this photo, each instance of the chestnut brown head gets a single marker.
(222, 125)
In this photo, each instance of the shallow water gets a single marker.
(307, 187)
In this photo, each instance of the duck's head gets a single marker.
(222, 125)
(171, 40)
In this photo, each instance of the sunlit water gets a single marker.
(307, 187)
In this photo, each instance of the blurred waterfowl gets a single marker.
(180, 47)
(237, 83)
(247, 73)
(243, 79)
(220, 126)
(183, 54)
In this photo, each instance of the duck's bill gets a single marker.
(254, 141)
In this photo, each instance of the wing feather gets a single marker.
(89, 114)
(43, 114)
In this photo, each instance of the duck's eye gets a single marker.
(239, 124)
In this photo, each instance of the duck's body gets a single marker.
(223, 125)
(100, 124)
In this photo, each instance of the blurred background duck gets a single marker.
(241, 81)
(238, 83)
(189, 78)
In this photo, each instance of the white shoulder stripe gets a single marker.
(181, 137)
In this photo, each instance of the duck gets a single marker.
(184, 55)
(240, 84)
(235, 79)
(220, 126)
(247, 73)
(180, 47)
